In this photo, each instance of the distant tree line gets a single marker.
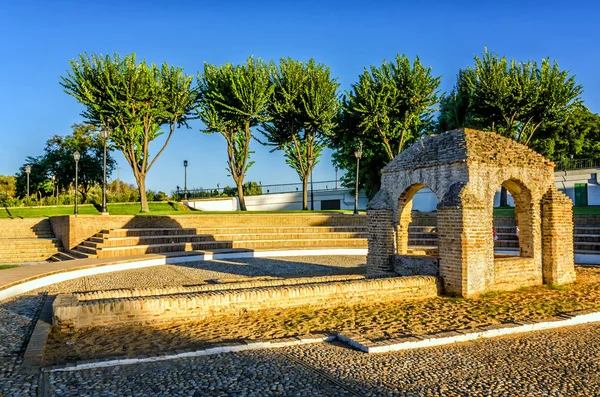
(296, 107)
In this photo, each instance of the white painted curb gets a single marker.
(469, 336)
(70, 275)
(196, 353)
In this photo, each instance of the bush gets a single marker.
(161, 196)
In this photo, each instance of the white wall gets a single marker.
(280, 201)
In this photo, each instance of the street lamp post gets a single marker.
(76, 156)
(28, 171)
(53, 187)
(312, 195)
(105, 134)
(358, 154)
(185, 164)
(336, 179)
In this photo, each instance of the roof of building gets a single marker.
(466, 145)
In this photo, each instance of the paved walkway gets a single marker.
(563, 362)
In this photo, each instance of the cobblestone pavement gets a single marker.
(564, 362)
(199, 272)
(559, 363)
(16, 323)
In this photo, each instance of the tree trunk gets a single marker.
(240, 189)
(503, 197)
(305, 193)
(141, 180)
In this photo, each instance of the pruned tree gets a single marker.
(233, 99)
(134, 100)
(511, 98)
(387, 109)
(302, 114)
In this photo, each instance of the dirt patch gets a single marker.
(373, 321)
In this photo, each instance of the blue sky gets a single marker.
(39, 37)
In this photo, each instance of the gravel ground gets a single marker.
(16, 323)
(563, 362)
(198, 272)
(556, 363)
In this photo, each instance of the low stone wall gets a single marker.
(413, 265)
(70, 314)
(512, 272)
(72, 230)
(25, 228)
(273, 282)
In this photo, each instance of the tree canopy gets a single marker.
(134, 100)
(233, 99)
(509, 97)
(302, 114)
(387, 109)
(58, 160)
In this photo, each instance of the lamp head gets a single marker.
(185, 163)
(358, 152)
(27, 169)
(76, 156)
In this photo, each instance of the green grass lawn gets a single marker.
(4, 267)
(156, 208)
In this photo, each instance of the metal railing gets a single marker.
(577, 164)
(262, 189)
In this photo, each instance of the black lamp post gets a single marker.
(358, 155)
(185, 164)
(105, 134)
(28, 171)
(76, 156)
(312, 195)
(53, 187)
(336, 179)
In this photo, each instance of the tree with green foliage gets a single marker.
(387, 109)
(58, 160)
(234, 99)
(577, 136)
(302, 114)
(7, 188)
(511, 98)
(134, 100)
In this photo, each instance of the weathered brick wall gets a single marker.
(413, 265)
(72, 230)
(381, 241)
(557, 228)
(515, 272)
(70, 314)
(465, 168)
(129, 293)
(25, 228)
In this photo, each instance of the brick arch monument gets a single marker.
(464, 168)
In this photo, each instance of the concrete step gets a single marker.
(586, 238)
(82, 249)
(588, 246)
(422, 229)
(340, 242)
(110, 252)
(192, 238)
(138, 232)
(586, 230)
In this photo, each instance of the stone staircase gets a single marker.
(28, 241)
(586, 238)
(127, 242)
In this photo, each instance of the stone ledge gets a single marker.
(410, 342)
(217, 348)
(70, 314)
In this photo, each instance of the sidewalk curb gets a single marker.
(451, 337)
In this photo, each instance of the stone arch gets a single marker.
(524, 215)
(404, 208)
